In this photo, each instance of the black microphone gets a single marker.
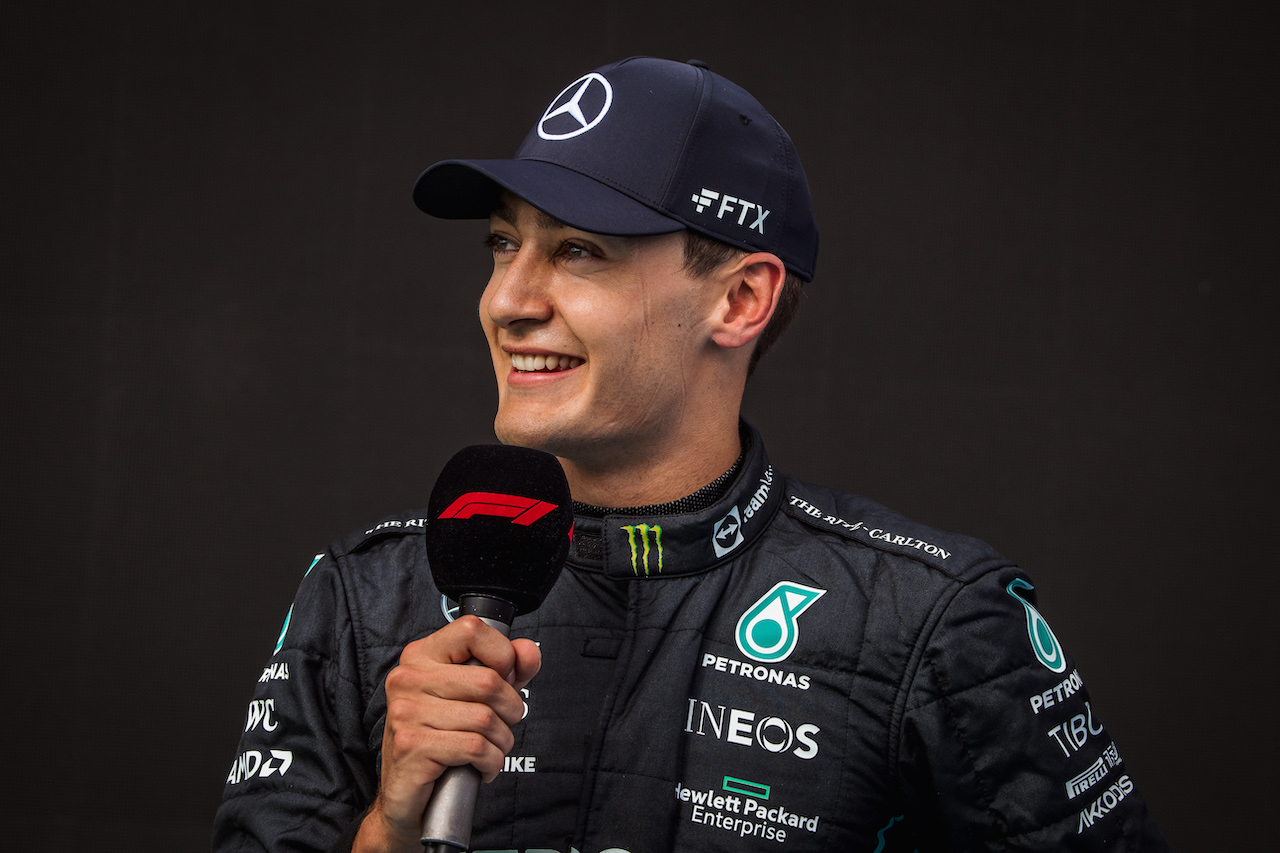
(499, 523)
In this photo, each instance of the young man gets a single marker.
(731, 659)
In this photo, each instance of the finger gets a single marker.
(423, 751)
(417, 748)
(427, 714)
(477, 685)
(460, 641)
(527, 662)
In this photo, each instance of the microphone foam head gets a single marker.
(499, 523)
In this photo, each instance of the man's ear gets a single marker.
(751, 288)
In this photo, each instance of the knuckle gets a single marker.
(491, 685)
(474, 745)
(403, 740)
(484, 719)
(399, 709)
(504, 739)
(395, 681)
(412, 651)
(469, 626)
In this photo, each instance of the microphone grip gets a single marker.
(446, 824)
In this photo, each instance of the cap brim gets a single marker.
(469, 189)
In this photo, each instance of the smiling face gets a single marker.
(601, 345)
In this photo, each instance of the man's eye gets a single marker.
(574, 252)
(499, 244)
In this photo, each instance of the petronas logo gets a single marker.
(642, 555)
(767, 632)
(1043, 642)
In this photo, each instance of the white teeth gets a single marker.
(530, 363)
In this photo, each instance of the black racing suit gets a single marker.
(792, 669)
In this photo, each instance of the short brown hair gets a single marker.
(703, 254)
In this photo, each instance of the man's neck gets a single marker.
(697, 501)
(652, 476)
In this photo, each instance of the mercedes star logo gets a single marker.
(589, 94)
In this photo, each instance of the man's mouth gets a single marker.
(543, 363)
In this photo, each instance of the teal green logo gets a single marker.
(883, 845)
(284, 629)
(640, 554)
(735, 785)
(1043, 642)
(767, 632)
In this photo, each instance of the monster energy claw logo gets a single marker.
(640, 554)
(767, 632)
(1043, 641)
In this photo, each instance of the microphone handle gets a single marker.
(446, 824)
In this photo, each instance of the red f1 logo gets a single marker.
(523, 511)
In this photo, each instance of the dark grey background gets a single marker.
(1044, 315)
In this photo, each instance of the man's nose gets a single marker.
(520, 291)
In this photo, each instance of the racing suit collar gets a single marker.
(658, 546)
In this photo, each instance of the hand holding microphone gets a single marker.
(498, 529)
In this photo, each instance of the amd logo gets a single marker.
(250, 764)
(773, 734)
(730, 205)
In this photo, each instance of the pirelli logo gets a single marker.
(1108, 761)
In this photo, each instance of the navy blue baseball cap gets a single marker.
(648, 146)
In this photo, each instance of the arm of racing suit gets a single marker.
(1001, 746)
(304, 771)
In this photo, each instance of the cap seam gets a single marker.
(690, 136)
(681, 168)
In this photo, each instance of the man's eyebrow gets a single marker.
(504, 211)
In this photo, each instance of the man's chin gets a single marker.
(557, 437)
(525, 433)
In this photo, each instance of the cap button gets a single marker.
(698, 63)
